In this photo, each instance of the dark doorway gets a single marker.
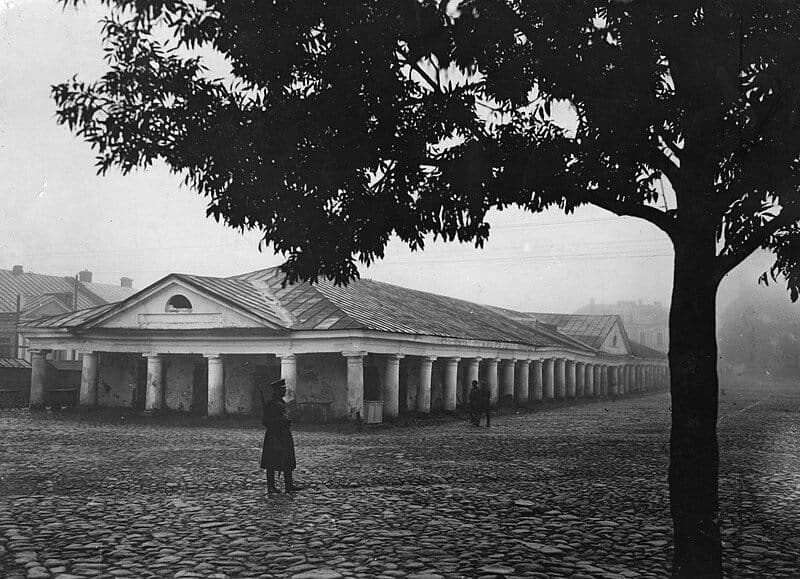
(140, 391)
(200, 389)
(372, 384)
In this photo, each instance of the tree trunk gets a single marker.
(694, 451)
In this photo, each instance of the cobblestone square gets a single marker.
(567, 491)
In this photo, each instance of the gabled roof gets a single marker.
(30, 303)
(591, 330)
(363, 304)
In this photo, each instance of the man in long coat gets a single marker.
(277, 454)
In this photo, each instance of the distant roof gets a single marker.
(14, 363)
(591, 330)
(650, 313)
(35, 288)
(69, 319)
(109, 293)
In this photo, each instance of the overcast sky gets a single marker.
(58, 217)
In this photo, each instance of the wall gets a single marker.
(179, 380)
(116, 378)
(240, 373)
(322, 378)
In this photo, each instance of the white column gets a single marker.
(450, 383)
(598, 381)
(570, 371)
(391, 386)
(613, 380)
(424, 387)
(588, 390)
(522, 382)
(639, 378)
(289, 373)
(580, 379)
(538, 381)
(561, 379)
(507, 377)
(88, 394)
(355, 384)
(604, 381)
(38, 377)
(216, 386)
(473, 373)
(491, 379)
(549, 378)
(154, 397)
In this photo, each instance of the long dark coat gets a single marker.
(278, 450)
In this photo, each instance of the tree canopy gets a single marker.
(344, 123)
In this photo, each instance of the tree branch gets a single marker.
(727, 261)
(670, 170)
(663, 220)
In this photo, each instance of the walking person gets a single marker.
(474, 404)
(277, 453)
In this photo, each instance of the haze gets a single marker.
(59, 217)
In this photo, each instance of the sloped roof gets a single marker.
(642, 351)
(29, 284)
(371, 305)
(30, 303)
(15, 363)
(107, 292)
(591, 330)
(33, 287)
(69, 319)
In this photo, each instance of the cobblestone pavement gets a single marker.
(576, 491)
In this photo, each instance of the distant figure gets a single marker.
(474, 404)
(486, 404)
(277, 453)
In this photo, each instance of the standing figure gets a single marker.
(277, 454)
(474, 404)
(486, 404)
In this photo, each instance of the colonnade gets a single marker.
(521, 380)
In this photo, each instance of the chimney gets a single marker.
(17, 270)
(126, 282)
(85, 276)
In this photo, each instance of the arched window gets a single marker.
(614, 340)
(179, 304)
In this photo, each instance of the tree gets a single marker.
(344, 123)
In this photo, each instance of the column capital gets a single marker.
(212, 356)
(524, 360)
(288, 356)
(455, 359)
(510, 360)
(430, 358)
(494, 360)
(477, 359)
(37, 351)
(395, 356)
(354, 354)
(151, 355)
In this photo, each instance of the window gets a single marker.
(614, 340)
(178, 304)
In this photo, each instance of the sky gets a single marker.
(58, 217)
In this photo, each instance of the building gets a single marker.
(203, 344)
(27, 296)
(648, 324)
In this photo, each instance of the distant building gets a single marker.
(27, 296)
(647, 324)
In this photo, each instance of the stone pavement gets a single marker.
(569, 491)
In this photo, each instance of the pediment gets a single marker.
(176, 305)
(616, 341)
